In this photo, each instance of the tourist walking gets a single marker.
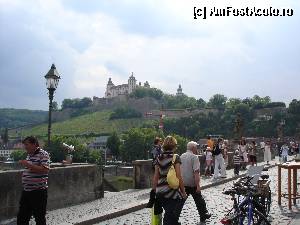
(284, 153)
(156, 151)
(210, 142)
(236, 162)
(267, 152)
(225, 152)
(252, 153)
(243, 154)
(35, 183)
(219, 160)
(190, 169)
(208, 161)
(171, 200)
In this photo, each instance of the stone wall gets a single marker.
(143, 172)
(67, 186)
(114, 170)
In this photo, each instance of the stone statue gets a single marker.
(238, 128)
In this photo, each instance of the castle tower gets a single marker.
(108, 93)
(146, 84)
(179, 91)
(131, 83)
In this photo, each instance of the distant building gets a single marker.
(6, 152)
(99, 143)
(179, 91)
(123, 89)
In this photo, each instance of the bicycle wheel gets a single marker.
(266, 201)
(257, 218)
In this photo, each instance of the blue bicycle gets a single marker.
(247, 209)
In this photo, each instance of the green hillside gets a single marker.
(97, 122)
(10, 118)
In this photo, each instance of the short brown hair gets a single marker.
(157, 140)
(31, 140)
(169, 144)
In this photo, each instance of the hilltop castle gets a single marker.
(123, 89)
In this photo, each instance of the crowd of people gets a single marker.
(163, 196)
(187, 167)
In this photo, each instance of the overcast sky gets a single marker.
(158, 40)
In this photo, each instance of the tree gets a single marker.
(201, 103)
(54, 106)
(217, 101)
(113, 144)
(94, 157)
(142, 92)
(137, 142)
(76, 103)
(5, 137)
(58, 153)
(18, 155)
(181, 144)
(233, 102)
(133, 146)
(294, 107)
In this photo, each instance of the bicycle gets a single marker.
(249, 211)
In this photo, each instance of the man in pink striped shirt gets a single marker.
(35, 183)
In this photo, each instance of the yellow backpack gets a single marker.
(172, 179)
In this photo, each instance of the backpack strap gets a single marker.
(173, 160)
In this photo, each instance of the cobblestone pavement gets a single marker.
(217, 204)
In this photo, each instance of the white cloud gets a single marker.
(205, 56)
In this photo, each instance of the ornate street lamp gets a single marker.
(52, 79)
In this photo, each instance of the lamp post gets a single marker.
(52, 79)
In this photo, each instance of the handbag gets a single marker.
(172, 179)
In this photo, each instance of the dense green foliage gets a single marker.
(137, 142)
(10, 118)
(81, 154)
(125, 113)
(4, 136)
(76, 103)
(113, 144)
(223, 122)
(180, 102)
(142, 92)
(18, 155)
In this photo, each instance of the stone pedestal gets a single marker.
(142, 174)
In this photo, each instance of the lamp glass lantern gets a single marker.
(52, 78)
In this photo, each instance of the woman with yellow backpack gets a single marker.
(168, 183)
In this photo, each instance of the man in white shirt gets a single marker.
(190, 171)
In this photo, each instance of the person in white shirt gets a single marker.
(243, 154)
(219, 160)
(190, 169)
(267, 152)
(209, 159)
(284, 152)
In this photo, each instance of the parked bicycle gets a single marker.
(250, 205)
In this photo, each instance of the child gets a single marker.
(284, 152)
(236, 162)
(208, 159)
